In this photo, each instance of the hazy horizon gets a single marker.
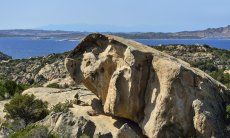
(115, 16)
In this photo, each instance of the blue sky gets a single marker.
(116, 15)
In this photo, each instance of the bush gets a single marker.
(26, 107)
(221, 77)
(207, 66)
(9, 88)
(53, 85)
(33, 131)
(62, 107)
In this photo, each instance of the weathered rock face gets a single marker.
(164, 95)
(66, 125)
(86, 117)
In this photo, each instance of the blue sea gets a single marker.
(20, 48)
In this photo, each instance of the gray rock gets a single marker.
(66, 125)
(126, 132)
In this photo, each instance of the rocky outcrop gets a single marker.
(85, 118)
(52, 95)
(66, 125)
(38, 70)
(126, 132)
(164, 95)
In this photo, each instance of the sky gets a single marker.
(116, 15)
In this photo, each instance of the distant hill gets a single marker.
(42, 34)
(220, 33)
(4, 56)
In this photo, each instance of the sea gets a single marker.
(21, 47)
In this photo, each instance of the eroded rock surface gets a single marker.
(86, 117)
(164, 95)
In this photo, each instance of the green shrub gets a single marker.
(33, 131)
(221, 77)
(53, 85)
(9, 88)
(207, 66)
(62, 107)
(26, 107)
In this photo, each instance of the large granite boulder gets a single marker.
(164, 95)
(86, 117)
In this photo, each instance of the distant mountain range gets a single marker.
(221, 33)
(217, 33)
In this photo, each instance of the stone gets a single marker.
(66, 125)
(164, 95)
(86, 119)
(52, 95)
(126, 132)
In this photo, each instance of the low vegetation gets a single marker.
(62, 107)
(221, 77)
(27, 108)
(217, 73)
(53, 85)
(9, 88)
(27, 70)
(33, 131)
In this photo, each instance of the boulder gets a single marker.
(85, 118)
(126, 132)
(52, 95)
(66, 125)
(164, 95)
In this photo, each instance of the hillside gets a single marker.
(42, 34)
(220, 33)
(35, 71)
(214, 61)
(4, 56)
